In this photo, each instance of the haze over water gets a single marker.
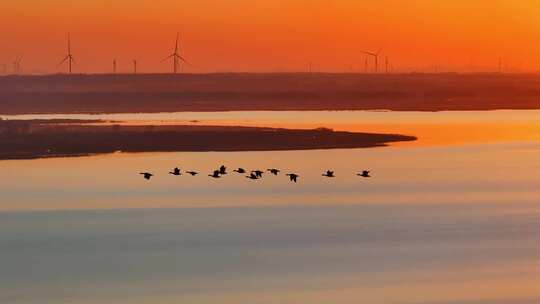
(441, 221)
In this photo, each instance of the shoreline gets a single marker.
(41, 139)
(7, 115)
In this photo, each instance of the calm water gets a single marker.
(432, 128)
(441, 221)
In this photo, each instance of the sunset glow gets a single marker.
(269, 151)
(269, 36)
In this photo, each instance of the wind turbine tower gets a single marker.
(376, 56)
(135, 66)
(69, 56)
(177, 58)
(366, 65)
(17, 65)
(114, 66)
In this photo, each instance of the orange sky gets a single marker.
(272, 35)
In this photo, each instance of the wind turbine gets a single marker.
(68, 57)
(386, 64)
(366, 65)
(17, 65)
(176, 56)
(114, 66)
(376, 56)
(134, 66)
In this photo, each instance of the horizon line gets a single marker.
(272, 73)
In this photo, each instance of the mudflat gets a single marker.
(41, 138)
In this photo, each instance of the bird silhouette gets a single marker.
(292, 177)
(258, 173)
(329, 173)
(364, 173)
(192, 173)
(273, 171)
(252, 175)
(222, 170)
(216, 174)
(240, 170)
(175, 171)
(147, 175)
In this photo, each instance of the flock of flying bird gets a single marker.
(254, 174)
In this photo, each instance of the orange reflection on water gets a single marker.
(431, 128)
(434, 222)
(428, 134)
(454, 134)
(400, 176)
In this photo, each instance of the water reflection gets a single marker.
(473, 173)
(437, 223)
(385, 253)
(432, 128)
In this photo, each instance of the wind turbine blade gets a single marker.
(182, 58)
(369, 53)
(168, 57)
(64, 60)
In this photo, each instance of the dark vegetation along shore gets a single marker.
(40, 138)
(300, 91)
